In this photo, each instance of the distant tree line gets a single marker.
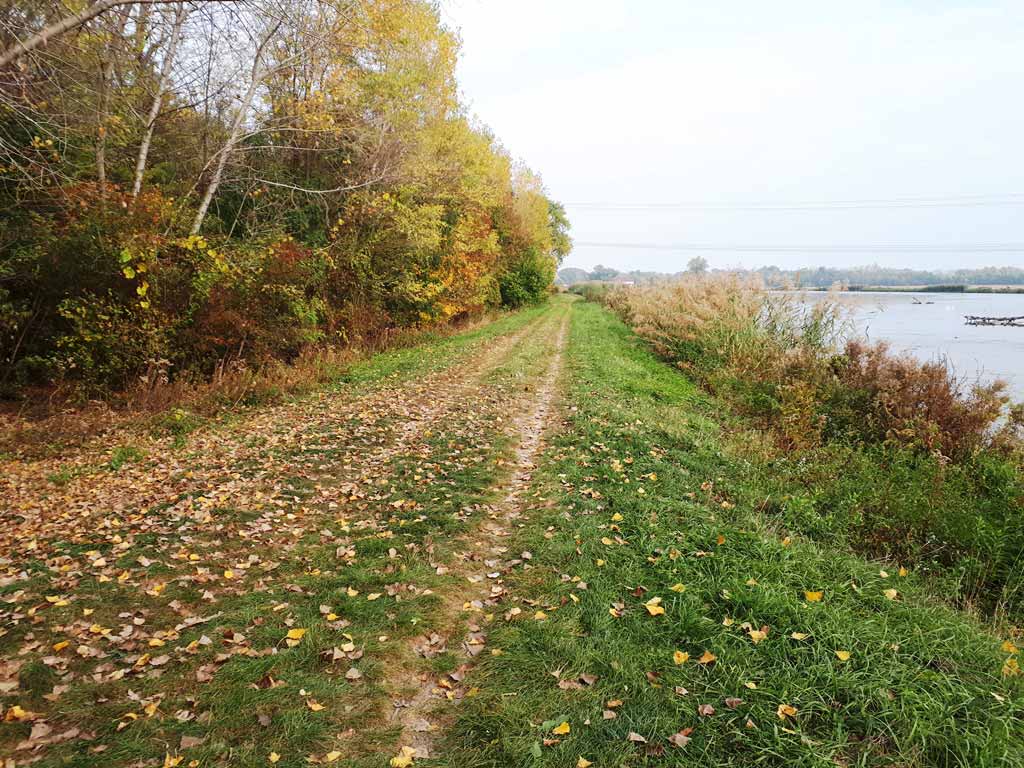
(816, 277)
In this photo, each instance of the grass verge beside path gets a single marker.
(665, 622)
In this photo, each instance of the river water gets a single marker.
(935, 329)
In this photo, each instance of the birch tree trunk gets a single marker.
(158, 97)
(235, 132)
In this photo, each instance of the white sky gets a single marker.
(732, 102)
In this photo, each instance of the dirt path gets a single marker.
(156, 576)
(332, 438)
(482, 558)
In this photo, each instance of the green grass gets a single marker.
(238, 715)
(922, 685)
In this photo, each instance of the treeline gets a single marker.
(199, 184)
(820, 277)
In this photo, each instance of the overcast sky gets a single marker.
(731, 104)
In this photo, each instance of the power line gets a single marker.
(937, 201)
(863, 248)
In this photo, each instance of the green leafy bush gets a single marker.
(527, 280)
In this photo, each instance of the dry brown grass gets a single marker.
(794, 364)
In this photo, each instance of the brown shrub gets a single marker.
(777, 356)
(924, 403)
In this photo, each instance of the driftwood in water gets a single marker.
(981, 320)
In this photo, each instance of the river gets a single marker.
(935, 329)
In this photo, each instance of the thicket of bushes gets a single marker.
(356, 195)
(900, 457)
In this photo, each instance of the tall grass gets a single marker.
(903, 459)
(791, 361)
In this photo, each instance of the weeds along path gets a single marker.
(249, 598)
(480, 559)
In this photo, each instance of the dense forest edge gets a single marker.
(194, 191)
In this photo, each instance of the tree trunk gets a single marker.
(103, 113)
(158, 97)
(258, 71)
(18, 49)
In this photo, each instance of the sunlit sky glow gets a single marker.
(721, 105)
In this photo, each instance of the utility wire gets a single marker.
(939, 201)
(864, 248)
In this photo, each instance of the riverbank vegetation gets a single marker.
(900, 459)
(193, 190)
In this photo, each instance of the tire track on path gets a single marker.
(482, 556)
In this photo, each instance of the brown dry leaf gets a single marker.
(682, 738)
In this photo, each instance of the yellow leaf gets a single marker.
(843, 655)
(229, 574)
(678, 587)
(751, 685)
(606, 541)
(799, 636)
(756, 636)
(653, 606)
(1007, 647)
(785, 710)
(903, 571)
(58, 647)
(680, 657)
(404, 758)
(583, 763)
(561, 730)
(720, 540)
(891, 594)
(539, 616)
(617, 518)
(273, 757)
(19, 714)
(1011, 667)
(706, 658)
(727, 622)
(599, 563)
(373, 596)
(813, 597)
(296, 634)
(351, 592)
(332, 756)
(314, 705)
